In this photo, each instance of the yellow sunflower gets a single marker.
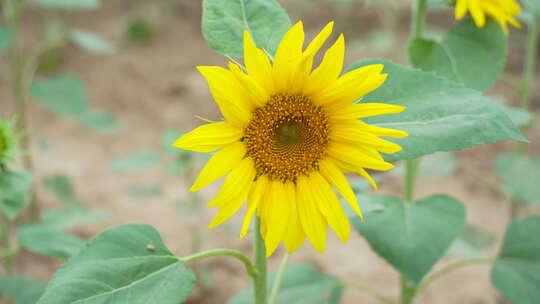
(289, 136)
(504, 11)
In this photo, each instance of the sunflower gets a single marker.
(8, 142)
(289, 136)
(504, 11)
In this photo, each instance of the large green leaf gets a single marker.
(6, 38)
(521, 176)
(223, 23)
(14, 192)
(302, 284)
(67, 4)
(125, 264)
(468, 54)
(412, 236)
(22, 290)
(49, 241)
(441, 115)
(516, 272)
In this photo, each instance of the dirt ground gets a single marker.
(155, 86)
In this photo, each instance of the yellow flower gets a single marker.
(504, 11)
(290, 135)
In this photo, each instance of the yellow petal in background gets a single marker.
(312, 220)
(294, 237)
(257, 64)
(276, 215)
(209, 137)
(329, 69)
(256, 195)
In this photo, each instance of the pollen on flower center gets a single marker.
(287, 137)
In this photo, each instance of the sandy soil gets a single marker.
(154, 87)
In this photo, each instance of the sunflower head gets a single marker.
(503, 11)
(290, 133)
(8, 142)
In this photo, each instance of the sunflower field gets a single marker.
(269, 151)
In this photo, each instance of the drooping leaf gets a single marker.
(66, 95)
(520, 176)
(302, 284)
(516, 272)
(136, 161)
(125, 264)
(60, 185)
(472, 243)
(21, 290)
(412, 237)
(63, 95)
(71, 217)
(470, 55)
(49, 241)
(6, 38)
(67, 4)
(14, 192)
(91, 42)
(223, 24)
(441, 115)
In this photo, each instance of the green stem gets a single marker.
(449, 268)
(411, 173)
(528, 74)
(6, 244)
(419, 18)
(279, 277)
(259, 257)
(13, 12)
(382, 298)
(228, 252)
(408, 291)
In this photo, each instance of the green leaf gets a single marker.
(72, 217)
(125, 264)
(532, 6)
(302, 284)
(412, 237)
(136, 161)
(516, 272)
(472, 243)
(520, 176)
(441, 115)
(67, 4)
(21, 290)
(139, 31)
(223, 24)
(99, 122)
(14, 192)
(60, 185)
(64, 95)
(438, 165)
(91, 42)
(518, 116)
(468, 54)
(49, 241)
(7, 35)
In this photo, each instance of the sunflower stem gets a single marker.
(411, 172)
(279, 277)
(528, 75)
(259, 258)
(419, 18)
(12, 14)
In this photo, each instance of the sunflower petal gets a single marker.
(257, 64)
(257, 94)
(362, 110)
(256, 194)
(232, 99)
(311, 218)
(334, 176)
(356, 157)
(209, 137)
(330, 207)
(295, 236)
(329, 69)
(236, 184)
(220, 164)
(288, 56)
(276, 216)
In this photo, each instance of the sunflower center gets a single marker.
(287, 137)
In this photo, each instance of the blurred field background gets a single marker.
(146, 78)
